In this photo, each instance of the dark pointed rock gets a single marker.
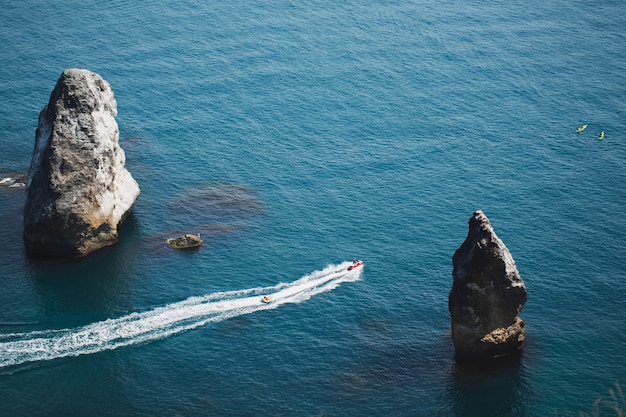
(487, 295)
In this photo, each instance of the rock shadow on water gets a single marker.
(489, 388)
(390, 361)
(92, 288)
(11, 227)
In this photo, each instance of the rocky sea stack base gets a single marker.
(78, 190)
(487, 296)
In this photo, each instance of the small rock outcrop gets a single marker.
(78, 191)
(487, 295)
(185, 241)
(12, 180)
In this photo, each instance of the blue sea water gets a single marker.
(295, 136)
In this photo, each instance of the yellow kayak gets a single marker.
(581, 128)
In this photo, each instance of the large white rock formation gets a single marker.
(78, 191)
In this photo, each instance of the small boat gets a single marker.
(185, 241)
(266, 299)
(581, 128)
(601, 135)
(355, 264)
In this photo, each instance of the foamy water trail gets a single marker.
(161, 322)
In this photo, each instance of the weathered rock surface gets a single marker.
(78, 191)
(185, 241)
(487, 295)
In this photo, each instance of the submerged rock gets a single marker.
(78, 191)
(487, 295)
(217, 201)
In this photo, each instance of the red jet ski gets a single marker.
(355, 264)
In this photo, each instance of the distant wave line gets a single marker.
(162, 322)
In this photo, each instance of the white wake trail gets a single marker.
(161, 322)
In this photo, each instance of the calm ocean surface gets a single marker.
(295, 136)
